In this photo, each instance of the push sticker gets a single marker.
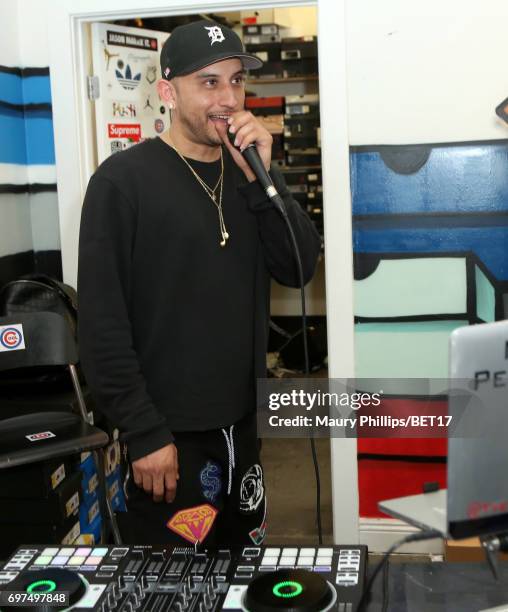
(42, 435)
(193, 524)
(11, 337)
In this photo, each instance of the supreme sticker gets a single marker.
(132, 131)
(11, 337)
(42, 435)
(193, 524)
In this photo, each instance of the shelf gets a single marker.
(282, 80)
(298, 168)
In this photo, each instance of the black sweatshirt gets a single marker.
(172, 326)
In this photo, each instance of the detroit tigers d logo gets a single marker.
(215, 33)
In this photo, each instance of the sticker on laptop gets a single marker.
(11, 337)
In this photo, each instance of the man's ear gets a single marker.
(166, 91)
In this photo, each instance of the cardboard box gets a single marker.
(62, 503)
(35, 480)
(466, 550)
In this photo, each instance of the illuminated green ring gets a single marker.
(287, 583)
(49, 583)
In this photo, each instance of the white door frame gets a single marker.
(74, 164)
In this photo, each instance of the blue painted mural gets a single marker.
(430, 239)
(457, 201)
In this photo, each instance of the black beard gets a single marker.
(199, 136)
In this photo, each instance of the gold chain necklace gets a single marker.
(210, 192)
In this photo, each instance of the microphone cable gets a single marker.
(430, 534)
(251, 155)
(279, 203)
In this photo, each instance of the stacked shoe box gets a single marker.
(90, 518)
(306, 187)
(315, 200)
(39, 504)
(299, 56)
(301, 130)
(270, 111)
(264, 40)
(114, 476)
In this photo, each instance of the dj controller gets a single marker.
(152, 578)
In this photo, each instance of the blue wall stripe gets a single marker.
(11, 89)
(36, 90)
(13, 140)
(24, 90)
(22, 133)
(455, 179)
(490, 244)
(39, 138)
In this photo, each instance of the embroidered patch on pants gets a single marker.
(210, 478)
(193, 524)
(252, 490)
(258, 534)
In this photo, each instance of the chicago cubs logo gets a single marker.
(193, 524)
(11, 337)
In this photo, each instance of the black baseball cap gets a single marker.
(198, 44)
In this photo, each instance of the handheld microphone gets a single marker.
(251, 156)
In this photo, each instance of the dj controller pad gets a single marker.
(152, 578)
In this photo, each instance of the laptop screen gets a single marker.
(478, 436)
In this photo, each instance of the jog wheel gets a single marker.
(48, 581)
(296, 590)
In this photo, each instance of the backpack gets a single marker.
(39, 293)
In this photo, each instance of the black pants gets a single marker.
(220, 496)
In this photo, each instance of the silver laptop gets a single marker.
(476, 501)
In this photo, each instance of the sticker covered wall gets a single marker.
(127, 107)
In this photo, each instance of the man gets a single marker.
(178, 242)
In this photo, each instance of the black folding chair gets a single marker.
(44, 339)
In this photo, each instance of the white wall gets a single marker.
(33, 51)
(429, 71)
(44, 218)
(33, 39)
(9, 40)
(15, 226)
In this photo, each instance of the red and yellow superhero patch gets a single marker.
(193, 524)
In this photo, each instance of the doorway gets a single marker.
(75, 159)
